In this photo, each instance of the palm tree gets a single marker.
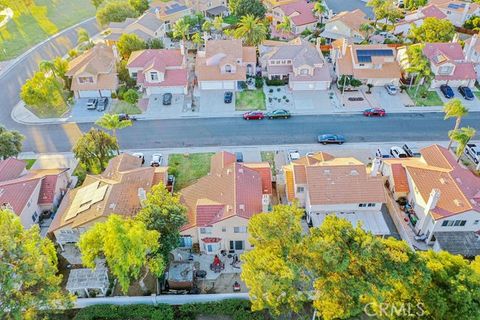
(366, 28)
(462, 136)
(207, 26)
(455, 109)
(83, 39)
(251, 30)
(418, 66)
(285, 26)
(181, 29)
(320, 9)
(112, 122)
(197, 39)
(61, 67)
(48, 67)
(218, 24)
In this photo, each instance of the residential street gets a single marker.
(236, 131)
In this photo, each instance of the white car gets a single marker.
(473, 152)
(140, 156)
(398, 152)
(157, 160)
(293, 155)
(391, 89)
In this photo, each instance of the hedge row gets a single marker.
(234, 308)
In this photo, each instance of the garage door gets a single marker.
(299, 85)
(88, 94)
(157, 90)
(229, 85)
(211, 85)
(106, 93)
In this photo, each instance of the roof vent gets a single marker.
(458, 203)
(112, 205)
(443, 181)
(229, 171)
(240, 170)
(326, 171)
(354, 173)
(458, 180)
(241, 207)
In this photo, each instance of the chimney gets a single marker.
(471, 47)
(375, 167)
(115, 52)
(432, 200)
(265, 203)
(344, 46)
(142, 195)
(465, 12)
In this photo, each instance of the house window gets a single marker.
(300, 189)
(289, 61)
(239, 229)
(237, 245)
(224, 229)
(211, 247)
(445, 70)
(362, 205)
(476, 222)
(185, 242)
(134, 75)
(371, 205)
(34, 216)
(205, 230)
(304, 71)
(228, 68)
(85, 79)
(459, 223)
(154, 76)
(362, 64)
(448, 223)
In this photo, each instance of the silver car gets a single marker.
(157, 160)
(391, 89)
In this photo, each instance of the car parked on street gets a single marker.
(331, 138)
(374, 112)
(293, 155)
(409, 151)
(253, 115)
(466, 92)
(473, 152)
(92, 104)
(381, 154)
(278, 114)
(239, 156)
(167, 99)
(102, 104)
(391, 89)
(447, 91)
(125, 116)
(157, 160)
(140, 156)
(228, 97)
(398, 152)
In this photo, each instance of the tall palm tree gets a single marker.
(367, 29)
(197, 39)
(47, 66)
(218, 24)
(455, 109)
(418, 66)
(83, 39)
(112, 122)
(462, 136)
(320, 9)
(251, 30)
(61, 69)
(207, 26)
(285, 26)
(181, 29)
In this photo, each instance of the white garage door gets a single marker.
(217, 85)
(88, 94)
(158, 90)
(311, 85)
(229, 85)
(106, 93)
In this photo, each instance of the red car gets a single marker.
(374, 112)
(253, 115)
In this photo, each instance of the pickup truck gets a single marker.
(473, 152)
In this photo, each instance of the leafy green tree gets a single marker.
(124, 75)
(414, 4)
(163, 212)
(44, 94)
(473, 23)
(251, 30)
(72, 54)
(320, 9)
(241, 8)
(83, 39)
(140, 5)
(115, 11)
(367, 29)
(131, 96)
(197, 39)
(207, 26)
(47, 66)
(127, 246)
(10, 143)
(455, 109)
(128, 43)
(94, 149)
(385, 9)
(419, 66)
(155, 43)
(461, 136)
(181, 29)
(96, 3)
(113, 123)
(218, 24)
(285, 26)
(28, 271)
(432, 30)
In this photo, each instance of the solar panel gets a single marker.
(365, 55)
(456, 5)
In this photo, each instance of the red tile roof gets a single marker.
(431, 11)
(172, 78)
(47, 189)
(300, 12)
(144, 58)
(399, 178)
(17, 192)
(11, 168)
(440, 53)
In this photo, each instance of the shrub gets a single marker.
(275, 82)
(139, 311)
(258, 83)
(243, 85)
(131, 96)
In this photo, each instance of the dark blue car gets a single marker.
(466, 92)
(331, 138)
(447, 91)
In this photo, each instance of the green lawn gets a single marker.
(477, 94)
(250, 100)
(34, 23)
(231, 19)
(424, 98)
(188, 168)
(269, 156)
(120, 106)
(29, 162)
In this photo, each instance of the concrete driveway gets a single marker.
(211, 101)
(390, 102)
(312, 101)
(80, 113)
(472, 105)
(156, 107)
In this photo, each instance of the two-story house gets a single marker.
(374, 64)
(29, 193)
(346, 25)
(158, 71)
(324, 184)
(94, 73)
(298, 61)
(301, 18)
(170, 12)
(471, 50)
(210, 8)
(457, 11)
(449, 66)
(416, 18)
(444, 196)
(221, 204)
(148, 26)
(223, 64)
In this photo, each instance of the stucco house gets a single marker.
(449, 65)
(346, 25)
(170, 12)
(29, 193)
(221, 203)
(94, 72)
(324, 184)
(471, 50)
(444, 196)
(223, 64)
(210, 8)
(416, 18)
(270, 4)
(147, 26)
(298, 61)
(457, 11)
(374, 64)
(120, 189)
(158, 71)
(300, 14)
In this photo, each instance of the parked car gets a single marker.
(466, 92)
(102, 104)
(228, 97)
(473, 151)
(331, 138)
(398, 152)
(447, 91)
(381, 154)
(279, 113)
(157, 160)
(391, 89)
(409, 151)
(374, 112)
(253, 115)
(167, 99)
(140, 156)
(293, 155)
(239, 156)
(125, 116)
(92, 104)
